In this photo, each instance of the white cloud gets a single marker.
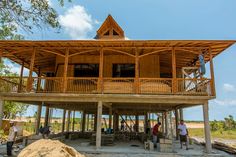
(77, 22)
(228, 87)
(225, 102)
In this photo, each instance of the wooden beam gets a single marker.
(1, 112)
(52, 52)
(65, 70)
(154, 52)
(119, 51)
(136, 72)
(110, 117)
(46, 116)
(101, 61)
(83, 52)
(83, 121)
(68, 121)
(29, 82)
(21, 75)
(176, 123)
(212, 73)
(73, 125)
(39, 111)
(174, 83)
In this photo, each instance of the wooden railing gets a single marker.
(171, 86)
(194, 86)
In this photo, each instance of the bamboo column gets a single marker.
(83, 121)
(39, 80)
(73, 126)
(63, 120)
(101, 61)
(110, 117)
(30, 79)
(1, 112)
(65, 70)
(176, 123)
(212, 73)
(46, 116)
(137, 71)
(21, 75)
(68, 121)
(207, 127)
(174, 81)
(99, 125)
(38, 118)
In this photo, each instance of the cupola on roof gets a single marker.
(110, 30)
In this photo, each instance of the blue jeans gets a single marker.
(9, 147)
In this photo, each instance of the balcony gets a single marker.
(77, 85)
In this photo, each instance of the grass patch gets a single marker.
(222, 134)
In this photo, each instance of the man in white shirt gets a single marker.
(11, 138)
(183, 133)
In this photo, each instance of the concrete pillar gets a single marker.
(137, 123)
(83, 121)
(68, 121)
(73, 125)
(1, 112)
(46, 116)
(110, 117)
(87, 122)
(207, 127)
(99, 125)
(166, 124)
(162, 124)
(38, 118)
(63, 121)
(176, 123)
(181, 113)
(95, 122)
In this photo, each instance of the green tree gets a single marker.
(25, 15)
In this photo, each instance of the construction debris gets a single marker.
(49, 148)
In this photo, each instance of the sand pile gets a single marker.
(49, 148)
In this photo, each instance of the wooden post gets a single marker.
(30, 79)
(68, 121)
(110, 117)
(83, 121)
(137, 123)
(46, 116)
(174, 81)
(136, 71)
(38, 118)
(21, 75)
(166, 124)
(99, 132)
(73, 126)
(114, 122)
(100, 86)
(95, 122)
(39, 80)
(1, 112)
(162, 122)
(87, 122)
(207, 127)
(63, 120)
(181, 113)
(212, 74)
(65, 70)
(176, 123)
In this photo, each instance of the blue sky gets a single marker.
(156, 19)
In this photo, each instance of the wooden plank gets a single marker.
(29, 82)
(65, 70)
(212, 73)
(174, 84)
(101, 66)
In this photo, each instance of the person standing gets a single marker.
(183, 133)
(11, 137)
(155, 132)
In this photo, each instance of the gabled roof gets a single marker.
(110, 30)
